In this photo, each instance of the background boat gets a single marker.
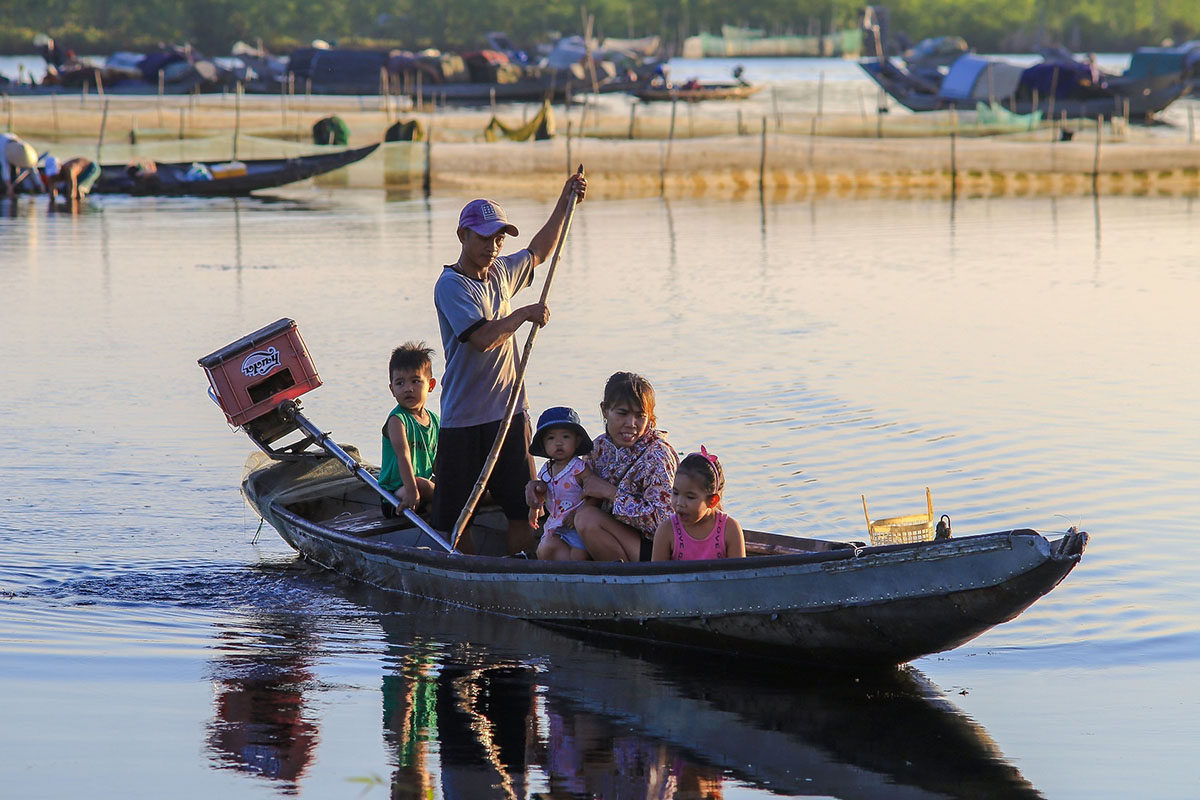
(228, 178)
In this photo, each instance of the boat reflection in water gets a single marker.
(480, 706)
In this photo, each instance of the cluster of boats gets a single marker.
(945, 74)
(496, 73)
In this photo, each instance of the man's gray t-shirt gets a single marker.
(476, 385)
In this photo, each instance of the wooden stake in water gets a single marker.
(237, 118)
(53, 112)
(762, 158)
(103, 125)
(633, 113)
(182, 121)
(1053, 92)
(161, 90)
(820, 100)
(8, 106)
(880, 107)
(1096, 155)
(953, 161)
(427, 179)
(1191, 125)
(812, 141)
(662, 174)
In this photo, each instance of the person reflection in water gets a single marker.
(483, 718)
(585, 755)
(260, 725)
(410, 721)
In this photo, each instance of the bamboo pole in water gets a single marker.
(237, 118)
(427, 179)
(103, 125)
(1096, 155)
(953, 160)
(762, 158)
(662, 174)
(1053, 92)
(820, 99)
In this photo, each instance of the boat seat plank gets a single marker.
(366, 523)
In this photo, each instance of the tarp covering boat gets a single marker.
(975, 78)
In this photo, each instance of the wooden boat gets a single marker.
(800, 599)
(170, 179)
(705, 91)
(525, 90)
(1153, 81)
(803, 600)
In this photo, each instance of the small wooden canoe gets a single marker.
(170, 179)
(707, 91)
(802, 600)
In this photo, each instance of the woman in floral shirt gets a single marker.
(631, 473)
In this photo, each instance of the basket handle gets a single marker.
(929, 503)
(865, 514)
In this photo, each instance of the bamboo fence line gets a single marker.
(637, 151)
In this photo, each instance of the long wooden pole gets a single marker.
(460, 526)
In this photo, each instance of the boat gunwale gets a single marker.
(478, 564)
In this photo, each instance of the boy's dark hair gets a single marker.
(412, 356)
(629, 387)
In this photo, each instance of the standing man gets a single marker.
(473, 300)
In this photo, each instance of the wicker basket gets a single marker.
(902, 530)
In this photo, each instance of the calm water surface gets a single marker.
(1033, 361)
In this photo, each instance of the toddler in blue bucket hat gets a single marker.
(562, 440)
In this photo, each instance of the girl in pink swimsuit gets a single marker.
(698, 529)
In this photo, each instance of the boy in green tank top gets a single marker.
(410, 434)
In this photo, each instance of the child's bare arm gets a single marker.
(409, 496)
(536, 492)
(662, 542)
(735, 539)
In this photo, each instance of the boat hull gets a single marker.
(260, 174)
(664, 95)
(1139, 100)
(848, 604)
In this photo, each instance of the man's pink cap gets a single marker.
(486, 218)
